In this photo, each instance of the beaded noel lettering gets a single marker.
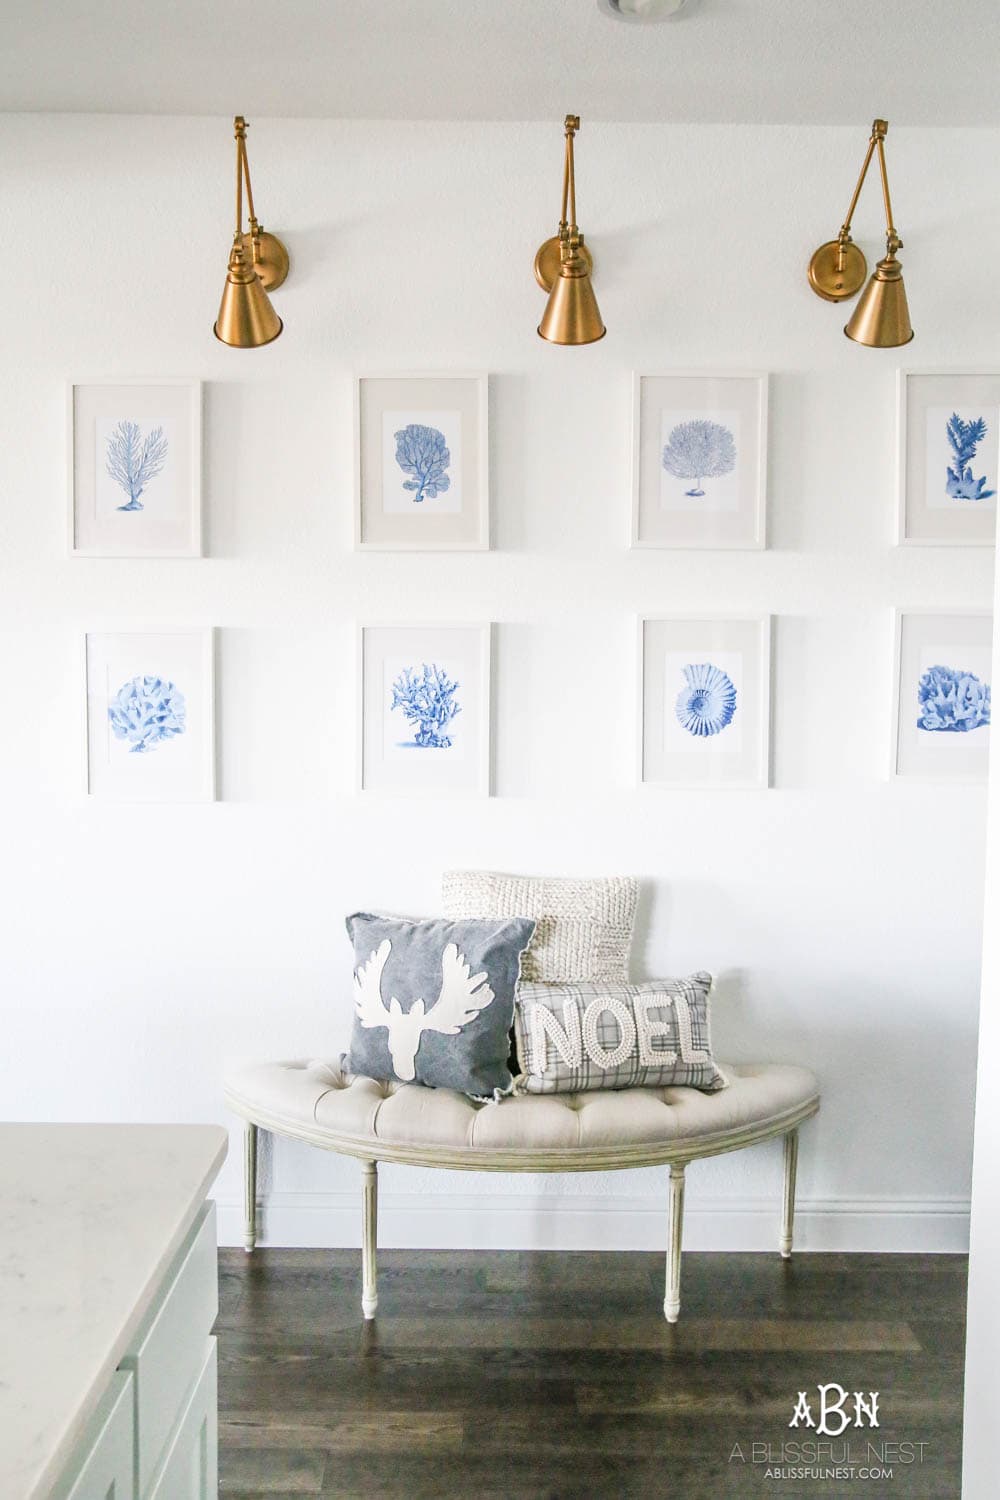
(577, 1036)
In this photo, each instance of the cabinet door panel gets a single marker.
(191, 1467)
(107, 1472)
(170, 1354)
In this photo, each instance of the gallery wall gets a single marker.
(143, 948)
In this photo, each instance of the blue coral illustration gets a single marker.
(146, 712)
(952, 702)
(699, 450)
(965, 438)
(423, 453)
(427, 699)
(133, 461)
(708, 702)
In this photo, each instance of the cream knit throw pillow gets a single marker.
(583, 928)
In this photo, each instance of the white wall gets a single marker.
(983, 1326)
(143, 947)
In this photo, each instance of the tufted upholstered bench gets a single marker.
(597, 1131)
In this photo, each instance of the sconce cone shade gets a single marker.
(572, 315)
(246, 318)
(881, 319)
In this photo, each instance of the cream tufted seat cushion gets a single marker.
(318, 1102)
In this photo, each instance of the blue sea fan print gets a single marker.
(965, 438)
(146, 711)
(133, 461)
(423, 452)
(708, 703)
(427, 698)
(699, 450)
(952, 702)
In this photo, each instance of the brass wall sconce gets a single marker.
(563, 268)
(837, 270)
(258, 262)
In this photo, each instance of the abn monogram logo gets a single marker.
(833, 1408)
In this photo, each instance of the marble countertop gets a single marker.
(90, 1217)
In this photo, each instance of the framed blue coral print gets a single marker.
(948, 470)
(424, 710)
(151, 716)
(704, 701)
(942, 695)
(699, 460)
(134, 461)
(422, 466)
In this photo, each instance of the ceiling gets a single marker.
(919, 62)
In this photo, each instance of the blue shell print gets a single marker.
(708, 703)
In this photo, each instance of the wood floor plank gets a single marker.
(461, 1380)
(649, 1332)
(328, 1290)
(271, 1471)
(688, 1404)
(343, 1432)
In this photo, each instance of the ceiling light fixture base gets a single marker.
(641, 12)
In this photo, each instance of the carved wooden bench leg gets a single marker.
(788, 1208)
(369, 1236)
(675, 1230)
(249, 1187)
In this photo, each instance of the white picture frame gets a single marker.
(150, 715)
(717, 417)
(134, 461)
(400, 502)
(926, 743)
(928, 514)
(720, 737)
(400, 752)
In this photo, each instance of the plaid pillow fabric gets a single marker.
(574, 1037)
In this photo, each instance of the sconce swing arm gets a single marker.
(268, 254)
(550, 254)
(838, 268)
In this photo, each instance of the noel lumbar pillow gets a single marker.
(573, 1037)
(434, 1001)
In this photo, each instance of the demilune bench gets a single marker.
(597, 1131)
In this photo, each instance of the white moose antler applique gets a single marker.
(462, 996)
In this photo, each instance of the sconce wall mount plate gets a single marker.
(838, 270)
(269, 256)
(549, 259)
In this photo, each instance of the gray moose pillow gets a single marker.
(434, 1000)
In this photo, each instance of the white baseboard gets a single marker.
(516, 1222)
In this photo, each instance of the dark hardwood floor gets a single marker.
(509, 1375)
